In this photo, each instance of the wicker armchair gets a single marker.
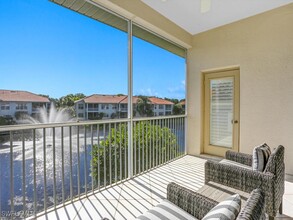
(198, 205)
(271, 181)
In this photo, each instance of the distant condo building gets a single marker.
(116, 106)
(161, 106)
(13, 102)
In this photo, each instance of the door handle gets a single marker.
(234, 121)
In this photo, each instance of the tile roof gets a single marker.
(134, 100)
(159, 101)
(105, 99)
(110, 99)
(21, 96)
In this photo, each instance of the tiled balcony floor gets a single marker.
(131, 198)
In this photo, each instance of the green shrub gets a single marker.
(153, 145)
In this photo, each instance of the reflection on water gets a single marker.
(62, 170)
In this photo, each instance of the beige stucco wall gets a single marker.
(262, 46)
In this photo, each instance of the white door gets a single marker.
(221, 121)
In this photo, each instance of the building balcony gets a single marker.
(93, 109)
(21, 108)
(124, 109)
(47, 165)
(118, 169)
(90, 172)
(133, 197)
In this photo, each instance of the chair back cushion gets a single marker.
(225, 210)
(275, 163)
(254, 207)
(260, 157)
(275, 166)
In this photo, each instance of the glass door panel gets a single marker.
(221, 111)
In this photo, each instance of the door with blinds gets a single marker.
(221, 117)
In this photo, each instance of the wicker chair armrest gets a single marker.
(238, 177)
(190, 201)
(239, 157)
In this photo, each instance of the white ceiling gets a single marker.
(188, 13)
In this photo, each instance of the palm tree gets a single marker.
(144, 107)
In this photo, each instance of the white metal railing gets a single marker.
(93, 109)
(44, 165)
(124, 109)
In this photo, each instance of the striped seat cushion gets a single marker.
(166, 210)
(260, 157)
(225, 210)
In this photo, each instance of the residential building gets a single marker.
(13, 102)
(161, 106)
(100, 106)
(114, 106)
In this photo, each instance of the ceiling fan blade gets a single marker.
(205, 5)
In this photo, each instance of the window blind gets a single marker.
(221, 111)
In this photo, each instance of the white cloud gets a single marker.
(148, 92)
(179, 88)
(177, 91)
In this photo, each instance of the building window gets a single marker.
(123, 107)
(161, 106)
(21, 106)
(114, 106)
(161, 113)
(93, 107)
(37, 105)
(5, 106)
(105, 106)
(80, 106)
(168, 107)
(80, 115)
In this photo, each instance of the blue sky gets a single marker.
(47, 49)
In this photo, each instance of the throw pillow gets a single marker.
(225, 210)
(260, 157)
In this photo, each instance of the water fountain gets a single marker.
(47, 117)
(53, 116)
(35, 159)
